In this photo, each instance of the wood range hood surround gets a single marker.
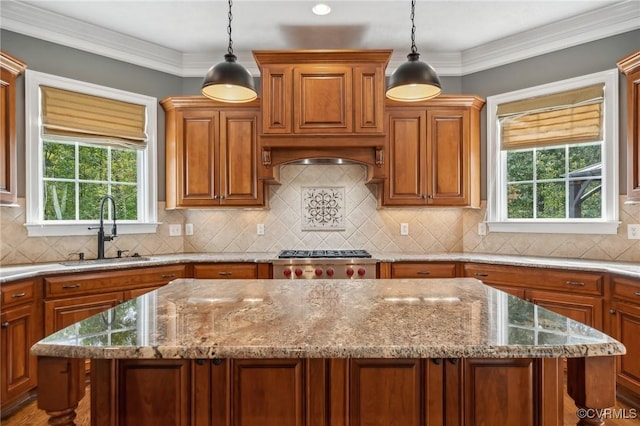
(322, 104)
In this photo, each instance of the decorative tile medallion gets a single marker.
(323, 208)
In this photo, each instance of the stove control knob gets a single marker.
(361, 272)
(298, 272)
(330, 272)
(287, 272)
(350, 271)
(318, 272)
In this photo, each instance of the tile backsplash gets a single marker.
(364, 226)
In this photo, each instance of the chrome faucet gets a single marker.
(114, 231)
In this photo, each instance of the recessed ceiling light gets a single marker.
(321, 9)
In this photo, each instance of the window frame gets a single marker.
(36, 226)
(496, 215)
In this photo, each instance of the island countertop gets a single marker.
(393, 318)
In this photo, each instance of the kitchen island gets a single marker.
(327, 352)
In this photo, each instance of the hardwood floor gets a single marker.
(31, 416)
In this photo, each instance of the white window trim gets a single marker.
(496, 173)
(147, 172)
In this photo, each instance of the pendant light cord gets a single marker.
(230, 49)
(414, 49)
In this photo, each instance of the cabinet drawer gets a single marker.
(423, 270)
(626, 288)
(226, 270)
(101, 282)
(541, 278)
(18, 293)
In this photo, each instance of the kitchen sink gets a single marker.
(105, 261)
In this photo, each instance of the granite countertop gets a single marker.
(396, 318)
(15, 272)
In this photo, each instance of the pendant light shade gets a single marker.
(414, 80)
(229, 81)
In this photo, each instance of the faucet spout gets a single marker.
(114, 231)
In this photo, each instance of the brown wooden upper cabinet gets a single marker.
(211, 153)
(630, 66)
(323, 92)
(433, 153)
(10, 69)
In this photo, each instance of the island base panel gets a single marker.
(320, 392)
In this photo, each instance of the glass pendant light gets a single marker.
(229, 81)
(414, 80)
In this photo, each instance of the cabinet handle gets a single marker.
(224, 273)
(575, 283)
(5, 324)
(215, 197)
(423, 273)
(23, 294)
(612, 311)
(222, 197)
(71, 286)
(637, 293)
(168, 275)
(480, 274)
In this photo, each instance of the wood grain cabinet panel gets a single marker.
(10, 69)
(226, 270)
(630, 67)
(625, 326)
(423, 270)
(211, 153)
(433, 153)
(20, 328)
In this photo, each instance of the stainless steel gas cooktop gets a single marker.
(314, 254)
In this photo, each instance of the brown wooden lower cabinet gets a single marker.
(323, 392)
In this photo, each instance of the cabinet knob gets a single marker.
(222, 197)
(436, 361)
(453, 361)
(215, 197)
(612, 311)
(5, 324)
(637, 293)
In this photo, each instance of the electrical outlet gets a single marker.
(188, 229)
(260, 229)
(404, 229)
(175, 230)
(482, 228)
(633, 232)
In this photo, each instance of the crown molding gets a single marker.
(32, 21)
(605, 22)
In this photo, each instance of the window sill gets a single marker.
(77, 229)
(556, 227)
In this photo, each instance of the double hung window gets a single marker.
(84, 142)
(553, 157)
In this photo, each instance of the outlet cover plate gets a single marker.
(633, 232)
(175, 230)
(404, 229)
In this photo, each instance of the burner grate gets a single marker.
(305, 254)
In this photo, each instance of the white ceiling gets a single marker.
(186, 37)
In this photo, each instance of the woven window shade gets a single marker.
(76, 116)
(568, 117)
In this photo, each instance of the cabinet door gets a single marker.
(323, 99)
(630, 66)
(277, 95)
(386, 389)
(267, 392)
(585, 309)
(10, 68)
(448, 157)
(368, 99)
(406, 161)
(62, 313)
(625, 327)
(239, 184)
(196, 153)
(19, 332)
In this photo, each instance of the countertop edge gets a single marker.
(11, 273)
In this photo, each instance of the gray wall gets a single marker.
(588, 58)
(67, 62)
